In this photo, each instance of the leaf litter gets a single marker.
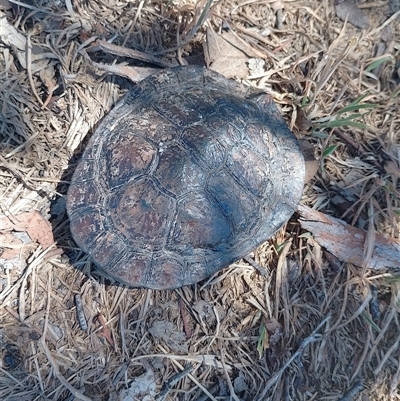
(317, 326)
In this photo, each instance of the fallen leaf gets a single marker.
(273, 325)
(348, 9)
(13, 246)
(5, 5)
(38, 228)
(392, 168)
(105, 331)
(10, 37)
(142, 387)
(226, 55)
(135, 74)
(166, 332)
(302, 121)
(47, 75)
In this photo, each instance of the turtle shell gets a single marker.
(188, 173)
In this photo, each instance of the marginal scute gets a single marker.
(188, 173)
(83, 194)
(108, 248)
(85, 171)
(167, 270)
(88, 226)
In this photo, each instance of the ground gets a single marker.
(316, 327)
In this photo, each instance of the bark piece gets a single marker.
(347, 242)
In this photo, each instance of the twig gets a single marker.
(167, 387)
(191, 377)
(121, 373)
(387, 22)
(228, 378)
(60, 377)
(29, 65)
(358, 147)
(123, 51)
(212, 390)
(38, 258)
(261, 270)
(360, 364)
(386, 356)
(311, 338)
(50, 358)
(186, 328)
(395, 380)
(353, 391)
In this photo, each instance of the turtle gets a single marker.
(188, 173)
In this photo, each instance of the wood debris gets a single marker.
(347, 243)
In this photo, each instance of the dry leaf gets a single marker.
(348, 9)
(135, 74)
(47, 77)
(165, 331)
(105, 331)
(10, 37)
(392, 168)
(5, 5)
(302, 121)
(33, 224)
(13, 246)
(273, 325)
(143, 388)
(226, 54)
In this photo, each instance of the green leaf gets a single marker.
(343, 123)
(328, 151)
(262, 343)
(306, 235)
(281, 246)
(304, 101)
(357, 107)
(370, 321)
(351, 117)
(377, 63)
(391, 279)
(359, 99)
(319, 134)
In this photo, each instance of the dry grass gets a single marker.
(314, 328)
